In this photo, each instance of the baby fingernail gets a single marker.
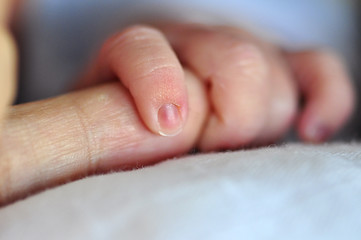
(318, 133)
(169, 120)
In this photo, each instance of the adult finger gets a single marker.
(328, 92)
(142, 59)
(52, 141)
(236, 71)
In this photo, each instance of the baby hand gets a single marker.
(253, 86)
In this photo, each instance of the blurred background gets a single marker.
(58, 38)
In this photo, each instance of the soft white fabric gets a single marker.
(286, 192)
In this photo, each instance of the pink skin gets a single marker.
(252, 93)
(253, 87)
(252, 84)
(328, 91)
(141, 58)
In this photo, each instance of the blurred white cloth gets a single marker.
(286, 192)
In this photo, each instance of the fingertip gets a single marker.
(163, 106)
(170, 120)
(318, 124)
(315, 131)
(318, 133)
(146, 64)
(327, 87)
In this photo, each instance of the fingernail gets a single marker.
(170, 120)
(318, 133)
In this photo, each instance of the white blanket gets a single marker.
(287, 192)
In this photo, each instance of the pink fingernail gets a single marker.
(170, 120)
(318, 133)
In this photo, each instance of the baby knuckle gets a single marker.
(324, 58)
(324, 55)
(248, 124)
(137, 34)
(245, 135)
(245, 55)
(252, 123)
(164, 72)
(130, 36)
(286, 110)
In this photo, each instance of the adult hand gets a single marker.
(52, 141)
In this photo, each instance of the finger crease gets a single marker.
(92, 162)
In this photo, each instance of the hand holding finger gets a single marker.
(141, 58)
(96, 130)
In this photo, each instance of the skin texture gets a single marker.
(96, 130)
(242, 92)
(142, 59)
